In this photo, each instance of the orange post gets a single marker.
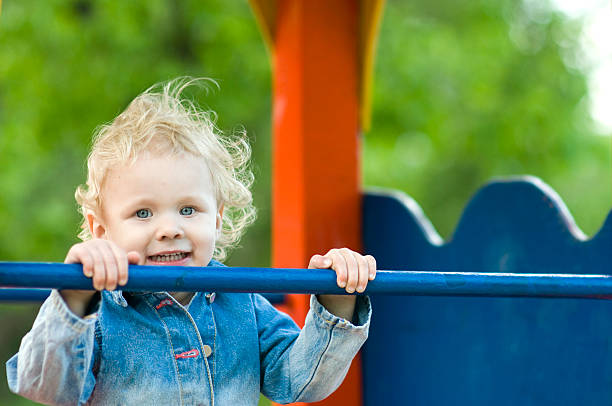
(322, 52)
(316, 181)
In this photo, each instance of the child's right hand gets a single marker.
(103, 261)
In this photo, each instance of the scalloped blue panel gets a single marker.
(488, 351)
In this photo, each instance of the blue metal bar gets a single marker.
(23, 295)
(277, 280)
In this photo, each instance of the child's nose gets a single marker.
(168, 230)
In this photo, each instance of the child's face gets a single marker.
(162, 207)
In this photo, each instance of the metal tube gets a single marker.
(322, 281)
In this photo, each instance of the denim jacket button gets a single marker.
(211, 297)
(207, 350)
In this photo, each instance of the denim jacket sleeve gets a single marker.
(307, 367)
(54, 362)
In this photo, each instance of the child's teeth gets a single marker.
(168, 257)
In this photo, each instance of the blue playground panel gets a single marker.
(488, 351)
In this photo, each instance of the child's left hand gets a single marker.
(353, 271)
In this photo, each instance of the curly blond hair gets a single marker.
(160, 120)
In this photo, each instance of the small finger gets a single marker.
(363, 272)
(72, 255)
(320, 262)
(88, 264)
(352, 270)
(371, 266)
(133, 258)
(99, 272)
(78, 254)
(121, 260)
(338, 265)
(111, 266)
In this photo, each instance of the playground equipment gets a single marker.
(422, 350)
(538, 348)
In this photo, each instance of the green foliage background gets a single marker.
(463, 91)
(467, 91)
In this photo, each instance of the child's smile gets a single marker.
(173, 258)
(164, 208)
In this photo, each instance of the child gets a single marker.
(165, 188)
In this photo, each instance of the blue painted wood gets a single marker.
(488, 351)
(236, 279)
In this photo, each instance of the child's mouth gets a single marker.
(175, 257)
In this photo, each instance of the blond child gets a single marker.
(165, 187)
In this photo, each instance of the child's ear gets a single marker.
(96, 228)
(219, 219)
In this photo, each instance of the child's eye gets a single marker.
(187, 211)
(143, 213)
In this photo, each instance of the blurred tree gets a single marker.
(73, 65)
(463, 91)
(67, 67)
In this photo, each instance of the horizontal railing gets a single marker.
(15, 276)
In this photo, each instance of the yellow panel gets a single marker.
(371, 14)
(265, 14)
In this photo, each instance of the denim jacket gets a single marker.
(146, 348)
